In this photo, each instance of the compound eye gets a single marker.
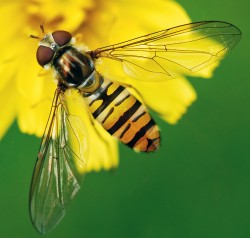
(44, 55)
(61, 37)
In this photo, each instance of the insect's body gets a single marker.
(111, 104)
(64, 148)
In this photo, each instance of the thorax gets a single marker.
(75, 69)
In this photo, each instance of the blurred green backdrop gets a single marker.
(196, 186)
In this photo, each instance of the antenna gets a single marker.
(42, 27)
(42, 30)
(34, 37)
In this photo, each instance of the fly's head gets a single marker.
(50, 45)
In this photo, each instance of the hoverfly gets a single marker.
(160, 55)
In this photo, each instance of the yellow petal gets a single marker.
(34, 109)
(7, 75)
(32, 118)
(67, 15)
(95, 31)
(142, 17)
(36, 88)
(170, 99)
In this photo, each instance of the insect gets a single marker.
(158, 56)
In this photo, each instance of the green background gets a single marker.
(196, 186)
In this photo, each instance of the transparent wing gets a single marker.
(56, 178)
(169, 53)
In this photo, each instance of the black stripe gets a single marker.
(137, 117)
(124, 118)
(125, 130)
(141, 133)
(107, 100)
(100, 92)
(122, 100)
(108, 114)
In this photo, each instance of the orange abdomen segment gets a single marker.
(124, 117)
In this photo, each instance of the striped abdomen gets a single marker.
(124, 117)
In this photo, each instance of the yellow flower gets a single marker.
(26, 89)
